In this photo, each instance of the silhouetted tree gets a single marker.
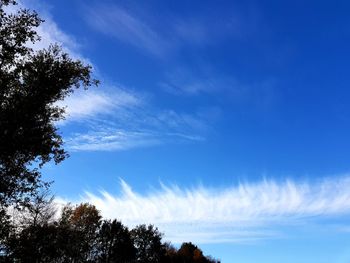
(39, 211)
(30, 84)
(188, 253)
(115, 243)
(72, 238)
(34, 235)
(5, 230)
(34, 244)
(171, 254)
(148, 244)
(81, 225)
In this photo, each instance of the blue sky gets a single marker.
(223, 123)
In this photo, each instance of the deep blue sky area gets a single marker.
(293, 57)
(239, 108)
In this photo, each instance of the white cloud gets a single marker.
(240, 213)
(87, 104)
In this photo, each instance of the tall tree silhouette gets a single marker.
(148, 243)
(115, 243)
(30, 84)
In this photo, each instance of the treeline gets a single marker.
(79, 234)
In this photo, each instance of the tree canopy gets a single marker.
(31, 82)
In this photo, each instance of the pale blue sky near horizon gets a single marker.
(223, 123)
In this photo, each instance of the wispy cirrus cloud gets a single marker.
(184, 81)
(135, 127)
(112, 117)
(199, 81)
(119, 23)
(139, 30)
(110, 140)
(115, 119)
(118, 119)
(241, 213)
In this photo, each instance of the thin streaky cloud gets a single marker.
(109, 139)
(202, 79)
(121, 24)
(137, 29)
(182, 82)
(235, 214)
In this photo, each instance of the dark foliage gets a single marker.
(30, 84)
(148, 242)
(115, 243)
(79, 235)
(34, 244)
